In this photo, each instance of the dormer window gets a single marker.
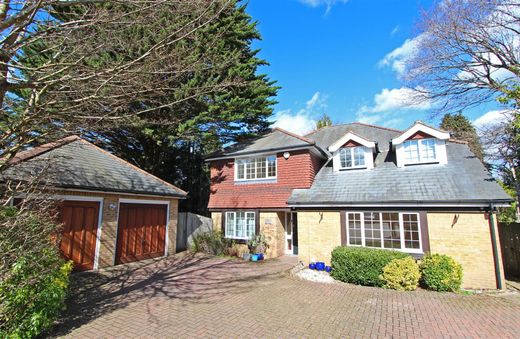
(352, 152)
(419, 151)
(421, 144)
(352, 157)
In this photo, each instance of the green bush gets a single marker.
(31, 300)
(401, 274)
(440, 273)
(362, 266)
(212, 243)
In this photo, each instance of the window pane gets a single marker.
(354, 229)
(250, 224)
(240, 225)
(345, 157)
(391, 233)
(261, 170)
(271, 166)
(250, 169)
(427, 150)
(230, 224)
(411, 231)
(372, 230)
(411, 151)
(359, 156)
(240, 169)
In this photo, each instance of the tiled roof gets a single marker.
(74, 163)
(463, 179)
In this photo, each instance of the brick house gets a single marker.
(112, 212)
(415, 191)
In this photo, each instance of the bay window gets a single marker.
(352, 157)
(420, 150)
(255, 168)
(240, 225)
(388, 230)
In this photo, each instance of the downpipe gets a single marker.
(494, 242)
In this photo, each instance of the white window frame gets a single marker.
(227, 233)
(253, 160)
(352, 155)
(401, 231)
(419, 151)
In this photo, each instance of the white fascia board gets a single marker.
(420, 127)
(351, 136)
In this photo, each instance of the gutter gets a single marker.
(494, 242)
(454, 203)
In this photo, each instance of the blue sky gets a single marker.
(341, 57)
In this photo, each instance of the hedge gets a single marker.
(401, 274)
(362, 266)
(440, 273)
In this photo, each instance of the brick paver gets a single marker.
(196, 296)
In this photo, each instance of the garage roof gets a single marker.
(74, 163)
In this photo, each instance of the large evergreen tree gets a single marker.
(461, 128)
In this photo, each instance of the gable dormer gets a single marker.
(352, 152)
(421, 144)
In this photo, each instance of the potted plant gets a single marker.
(257, 246)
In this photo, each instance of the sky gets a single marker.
(342, 58)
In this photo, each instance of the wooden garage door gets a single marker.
(141, 232)
(78, 241)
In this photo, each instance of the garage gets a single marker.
(141, 231)
(111, 211)
(80, 221)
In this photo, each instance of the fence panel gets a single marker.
(510, 245)
(188, 225)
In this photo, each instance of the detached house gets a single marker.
(415, 191)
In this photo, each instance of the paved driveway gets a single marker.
(196, 296)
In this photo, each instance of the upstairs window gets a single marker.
(256, 168)
(352, 157)
(419, 151)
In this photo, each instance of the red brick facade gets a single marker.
(296, 172)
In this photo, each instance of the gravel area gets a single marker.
(316, 276)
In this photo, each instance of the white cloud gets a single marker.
(304, 120)
(397, 99)
(319, 3)
(491, 119)
(395, 30)
(398, 57)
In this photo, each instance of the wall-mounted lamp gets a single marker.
(112, 206)
(286, 155)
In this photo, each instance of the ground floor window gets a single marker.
(390, 230)
(240, 225)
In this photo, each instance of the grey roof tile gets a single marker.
(463, 179)
(78, 164)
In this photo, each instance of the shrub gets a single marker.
(401, 274)
(362, 266)
(34, 277)
(441, 273)
(212, 242)
(257, 244)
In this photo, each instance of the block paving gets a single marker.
(198, 296)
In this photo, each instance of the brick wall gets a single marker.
(109, 223)
(468, 241)
(296, 172)
(318, 234)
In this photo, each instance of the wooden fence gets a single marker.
(510, 245)
(189, 224)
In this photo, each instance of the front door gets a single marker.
(291, 233)
(141, 232)
(79, 236)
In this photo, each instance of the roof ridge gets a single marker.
(356, 123)
(39, 150)
(294, 135)
(458, 141)
(131, 165)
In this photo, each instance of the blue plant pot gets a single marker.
(320, 266)
(260, 256)
(254, 257)
(328, 269)
(312, 266)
